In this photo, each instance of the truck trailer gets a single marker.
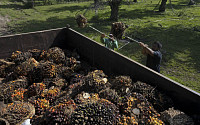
(111, 62)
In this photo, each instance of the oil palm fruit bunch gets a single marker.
(4, 71)
(56, 82)
(20, 82)
(52, 94)
(41, 106)
(18, 94)
(7, 89)
(54, 54)
(35, 75)
(100, 112)
(158, 99)
(111, 95)
(76, 85)
(36, 89)
(60, 114)
(96, 80)
(35, 53)
(117, 29)
(85, 97)
(73, 89)
(48, 69)
(173, 116)
(18, 111)
(138, 106)
(19, 57)
(81, 20)
(64, 71)
(127, 120)
(81, 98)
(25, 67)
(77, 78)
(6, 67)
(122, 84)
(63, 97)
(73, 64)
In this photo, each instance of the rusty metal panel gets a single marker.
(26, 41)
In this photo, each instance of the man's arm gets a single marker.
(146, 49)
(116, 44)
(102, 38)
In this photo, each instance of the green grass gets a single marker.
(177, 29)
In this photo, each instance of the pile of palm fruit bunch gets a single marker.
(81, 20)
(158, 99)
(118, 29)
(17, 111)
(55, 86)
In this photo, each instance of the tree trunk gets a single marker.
(96, 6)
(114, 5)
(33, 5)
(114, 13)
(162, 6)
(192, 2)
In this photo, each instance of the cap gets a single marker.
(111, 35)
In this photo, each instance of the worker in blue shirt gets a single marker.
(109, 42)
(153, 54)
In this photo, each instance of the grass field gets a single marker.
(178, 29)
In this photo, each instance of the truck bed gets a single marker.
(105, 59)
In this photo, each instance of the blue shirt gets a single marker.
(154, 61)
(109, 43)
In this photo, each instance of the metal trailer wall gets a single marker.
(108, 60)
(26, 41)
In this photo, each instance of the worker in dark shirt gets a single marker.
(154, 55)
(109, 42)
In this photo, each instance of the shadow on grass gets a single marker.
(185, 2)
(12, 6)
(69, 8)
(181, 4)
(142, 13)
(37, 25)
(138, 13)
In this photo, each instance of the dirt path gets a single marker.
(3, 25)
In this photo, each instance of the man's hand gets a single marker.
(143, 45)
(146, 49)
(112, 39)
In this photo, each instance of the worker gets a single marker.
(109, 42)
(154, 55)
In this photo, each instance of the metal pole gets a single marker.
(124, 45)
(128, 42)
(110, 38)
(99, 31)
(132, 39)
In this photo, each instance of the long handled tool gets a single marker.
(131, 39)
(124, 45)
(82, 21)
(99, 31)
